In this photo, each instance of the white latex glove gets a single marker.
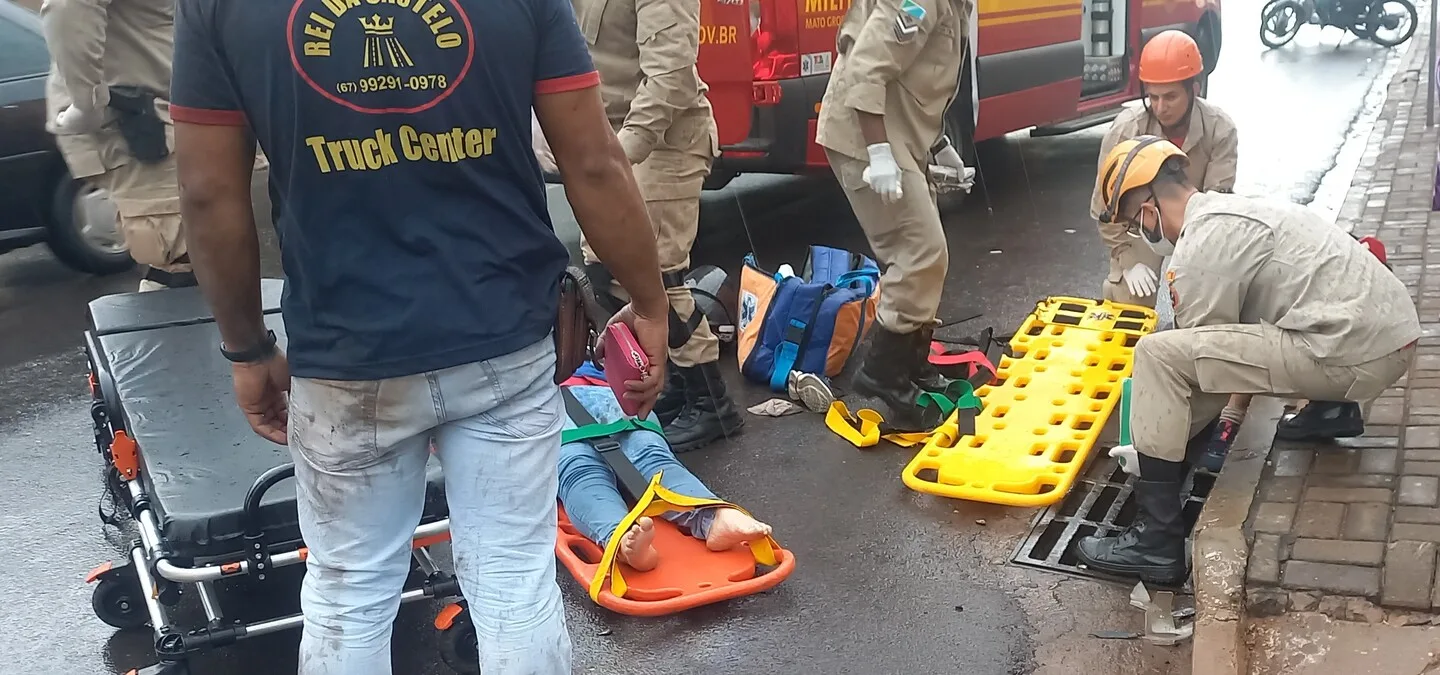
(73, 120)
(949, 157)
(883, 174)
(1128, 458)
(1141, 280)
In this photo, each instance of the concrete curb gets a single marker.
(1221, 551)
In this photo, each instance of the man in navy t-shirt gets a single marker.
(422, 280)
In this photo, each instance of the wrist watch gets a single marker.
(258, 352)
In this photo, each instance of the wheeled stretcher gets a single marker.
(210, 498)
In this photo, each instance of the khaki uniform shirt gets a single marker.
(1211, 144)
(900, 59)
(1243, 260)
(95, 44)
(645, 52)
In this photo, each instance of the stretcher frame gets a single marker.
(162, 580)
(1041, 468)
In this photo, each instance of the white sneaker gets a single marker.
(810, 390)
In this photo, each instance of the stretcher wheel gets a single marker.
(119, 602)
(458, 646)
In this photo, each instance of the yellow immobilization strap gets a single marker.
(656, 501)
(862, 428)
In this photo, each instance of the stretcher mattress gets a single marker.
(198, 456)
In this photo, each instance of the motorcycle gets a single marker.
(1388, 23)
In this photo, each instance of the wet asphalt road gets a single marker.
(889, 580)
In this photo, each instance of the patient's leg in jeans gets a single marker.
(360, 490)
(587, 489)
(721, 528)
(596, 508)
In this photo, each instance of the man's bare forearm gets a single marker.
(225, 254)
(215, 166)
(872, 127)
(611, 213)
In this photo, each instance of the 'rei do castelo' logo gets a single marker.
(381, 56)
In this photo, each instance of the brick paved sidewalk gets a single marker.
(1361, 518)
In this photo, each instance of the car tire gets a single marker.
(68, 238)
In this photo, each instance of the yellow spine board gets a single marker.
(656, 501)
(1044, 410)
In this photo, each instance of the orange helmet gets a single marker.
(1170, 56)
(1132, 164)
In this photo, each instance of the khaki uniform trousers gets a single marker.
(670, 182)
(146, 195)
(1182, 379)
(908, 240)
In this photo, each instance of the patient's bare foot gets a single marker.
(732, 527)
(637, 546)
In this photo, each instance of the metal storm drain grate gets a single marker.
(1100, 501)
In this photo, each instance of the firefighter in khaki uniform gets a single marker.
(108, 101)
(1269, 299)
(646, 51)
(882, 116)
(1170, 70)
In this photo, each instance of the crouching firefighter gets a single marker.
(108, 106)
(1171, 70)
(645, 51)
(1269, 299)
(882, 116)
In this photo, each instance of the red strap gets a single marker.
(583, 381)
(976, 358)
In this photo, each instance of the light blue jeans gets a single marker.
(360, 452)
(587, 485)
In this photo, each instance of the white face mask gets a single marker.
(1160, 245)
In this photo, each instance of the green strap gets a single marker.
(959, 394)
(1125, 411)
(620, 426)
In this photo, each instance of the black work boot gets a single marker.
(926, 375)
(1153, 547)
(887, 367)
(672, 397)
(708, 415)
(1323, 421)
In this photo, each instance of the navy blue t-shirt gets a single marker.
(408, 202)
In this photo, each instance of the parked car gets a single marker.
(39, 200)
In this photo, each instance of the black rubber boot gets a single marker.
(927, 376)
(1153, 547)
(886, 372)
(1323, 421)
(672, 397)
(708, 415)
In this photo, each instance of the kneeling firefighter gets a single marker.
(1171, 70)
(882, 116)
(1269, 299)
(108, 103)
(645, 51)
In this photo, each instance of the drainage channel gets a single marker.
(1100, 501)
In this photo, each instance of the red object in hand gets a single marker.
(625, 362)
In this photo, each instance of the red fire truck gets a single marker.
(1055, 65)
